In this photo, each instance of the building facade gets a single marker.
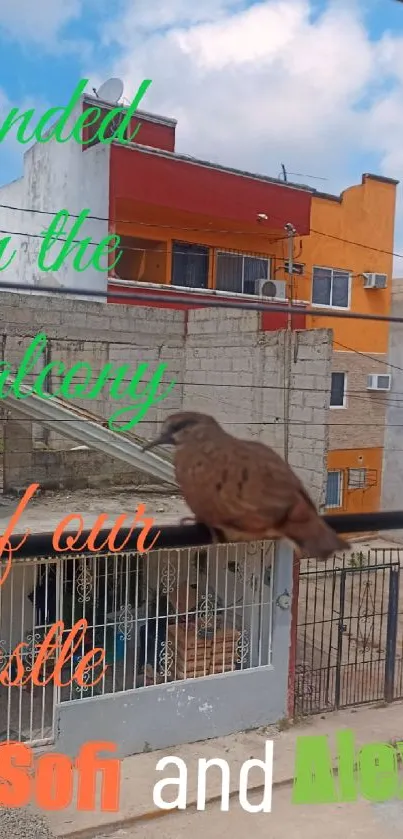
(192, 231)
(392, 489)
(349, 258)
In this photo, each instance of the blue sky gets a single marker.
(240, 98)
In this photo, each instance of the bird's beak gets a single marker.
(163, 439)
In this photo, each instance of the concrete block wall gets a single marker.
(237, 373)
(98, 334)
(222, 363)
(365, 412)
(56, 470)
(392, 472)
(311, 365)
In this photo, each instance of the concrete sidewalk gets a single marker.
(139, 775)
(359, 820)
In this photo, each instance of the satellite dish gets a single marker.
(111, 91)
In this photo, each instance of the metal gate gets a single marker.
(348, 633)
(188, 636)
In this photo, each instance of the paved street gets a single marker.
(359, 820)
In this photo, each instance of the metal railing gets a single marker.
(349, 634)
(160, 617)
(188, 609)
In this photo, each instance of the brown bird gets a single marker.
(241, 489)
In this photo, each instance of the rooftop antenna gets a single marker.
(110, 91)
(284, 174)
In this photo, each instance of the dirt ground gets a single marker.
(45, 511)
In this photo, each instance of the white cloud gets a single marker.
(275, 82)
(145, 17)
(40, 22)
(254, 82)
(10, 149)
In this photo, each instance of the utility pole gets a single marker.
(291, 232)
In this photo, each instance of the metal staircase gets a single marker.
(86, 428)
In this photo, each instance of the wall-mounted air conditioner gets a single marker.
(379, 381)
(272, 288)
(375, 280)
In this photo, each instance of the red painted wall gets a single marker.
(270, 321)
(156, 303)
(152, 134)
(184, 186)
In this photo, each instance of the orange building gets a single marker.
(194, 228)
(349, 263)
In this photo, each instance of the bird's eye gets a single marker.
(183, 424)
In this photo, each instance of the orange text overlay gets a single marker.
(54, 653)
(71, 541)
(49, 780)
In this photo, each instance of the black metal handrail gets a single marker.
(193, 535)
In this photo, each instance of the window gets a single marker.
(357, 478)
(190, 265)
(338, 390)
(383, 382)
(331, 288)
(334, 489)
(238, 273)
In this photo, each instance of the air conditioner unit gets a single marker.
(375, 280)
(379, 381)
(272, 288)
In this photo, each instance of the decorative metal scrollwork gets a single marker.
(166, 658)
(34, 639)
(253, 548)
(206, 611)
(168, 576)
(242, 647)
(84, 582)
(126, 621)
(3, 653)
(86, 677)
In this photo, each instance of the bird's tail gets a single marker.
(318, 540)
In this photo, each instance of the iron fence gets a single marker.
(191, 610)
(349, 637)
(161, 617)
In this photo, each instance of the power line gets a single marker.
(260, 255)
(358, 394)
(357, 244)
(262, 423)
(137, 221)
(363, 397)
(218, 303)
(367, 355)
(194, 229)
